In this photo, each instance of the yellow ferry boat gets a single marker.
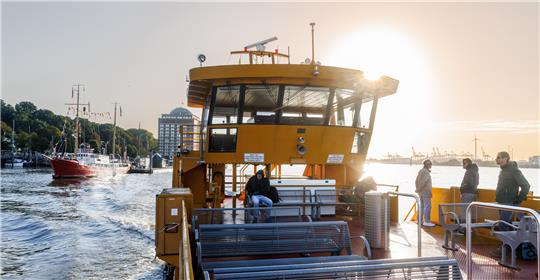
(275, 114)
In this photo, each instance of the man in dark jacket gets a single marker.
(469, 184)
(512, 187)
(257, 188)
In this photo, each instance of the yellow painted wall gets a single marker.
(278, 143)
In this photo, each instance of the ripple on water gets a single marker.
(101, 228)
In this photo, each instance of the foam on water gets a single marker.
(100, 228)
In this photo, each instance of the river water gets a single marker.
(103, 228)
(99, 228)
(404, 175)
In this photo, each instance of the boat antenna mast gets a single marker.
(312, 24)
(76, 89)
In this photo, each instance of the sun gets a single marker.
(379, 51)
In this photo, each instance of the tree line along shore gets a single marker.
(39, 130)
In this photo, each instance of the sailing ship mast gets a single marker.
(114, 129)
(77, 89)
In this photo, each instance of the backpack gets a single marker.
(273, 194)
(527, 251)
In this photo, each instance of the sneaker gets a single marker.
(428, 224)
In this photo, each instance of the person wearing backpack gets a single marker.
(257, 189)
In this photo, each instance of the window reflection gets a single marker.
(294, 105)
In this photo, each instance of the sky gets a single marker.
(466, 70)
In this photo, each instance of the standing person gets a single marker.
(257, 187)
(423, 188)
(469, 184)
(512, 187)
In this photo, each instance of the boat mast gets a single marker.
(114, 130)
(76, 89)
(139, 140)
(13, 148)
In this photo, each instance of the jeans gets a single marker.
(257, 200)
(507, 217)
(426, 208)
(466, 198)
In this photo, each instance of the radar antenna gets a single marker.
(259, 51)
(259, 46)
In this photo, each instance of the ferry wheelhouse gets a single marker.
(321, 118)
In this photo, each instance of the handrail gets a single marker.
(186, 270)
(419, 220)
(190, 138)
(391, 186)
(476, 204)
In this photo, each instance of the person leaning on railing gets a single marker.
(512, 187)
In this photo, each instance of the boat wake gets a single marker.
(98, 228)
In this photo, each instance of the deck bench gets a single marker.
(453, 221)
(412, 268)
(236, 240)
(262, 263)
(241, 215)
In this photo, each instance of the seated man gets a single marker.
(257, 187)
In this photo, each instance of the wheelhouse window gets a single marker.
(343, 108)
(359, 142)
(365, 114)
(226, 105)
(304, 105)
(292, 105)
(222, 140)
(260, 104)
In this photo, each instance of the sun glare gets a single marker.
(385, 52)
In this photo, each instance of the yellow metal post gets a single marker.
(234, 184)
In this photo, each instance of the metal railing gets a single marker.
(497, 206)
(190, 137)
(186, 269)
(419, 220)
(396, 187)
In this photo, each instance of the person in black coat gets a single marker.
(469, 185)
(257, 189)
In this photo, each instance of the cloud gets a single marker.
(519, 127)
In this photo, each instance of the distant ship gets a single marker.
(86, 163)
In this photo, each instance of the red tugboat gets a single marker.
(84, 162)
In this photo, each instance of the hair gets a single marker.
(467, 160)
(426, 162)
(260, 172)
(504, 154)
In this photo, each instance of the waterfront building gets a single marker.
(534, 161)
(169, 126)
